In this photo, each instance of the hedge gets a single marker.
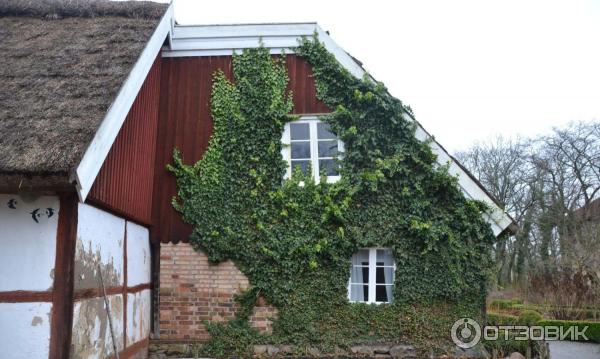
(592, 332)
(501, 319)
(505, 303)
(573, 313)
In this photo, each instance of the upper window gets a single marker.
(372, 276)
(311, 147)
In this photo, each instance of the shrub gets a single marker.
(563, 289)
(521, 306)
(529, 317)
(501, 319)
(501, 304)
(550, 311)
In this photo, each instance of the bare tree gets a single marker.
(545, 183)
(503, 167)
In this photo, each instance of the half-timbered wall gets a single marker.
(116, 252)
(28, 232)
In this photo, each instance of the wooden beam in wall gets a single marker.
(62, 298)
(155, 287)
(25, 296)
(125, 270)
(91, 293)
(133, 350)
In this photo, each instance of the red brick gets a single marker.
(192, 291)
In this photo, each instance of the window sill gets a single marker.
(376, 303)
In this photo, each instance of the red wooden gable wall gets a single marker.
(125, 182)
(185, 123)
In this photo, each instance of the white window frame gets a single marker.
(373, 277)
(286, 150)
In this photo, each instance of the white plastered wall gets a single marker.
(28, 226)
(102, 239)
(27, 245)
(25, 330)
(138, 255)
(139, 311)
(99, 249)
(139, 268)
(100, 244)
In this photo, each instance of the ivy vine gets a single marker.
(294, 243)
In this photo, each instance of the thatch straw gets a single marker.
(81, 8)
(59, 77)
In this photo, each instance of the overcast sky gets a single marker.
(469, 69)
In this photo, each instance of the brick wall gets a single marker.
(192, 291)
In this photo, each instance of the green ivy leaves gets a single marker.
(295, 242)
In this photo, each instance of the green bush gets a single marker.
(572, 313)
(529, 317)
(592, 332)
(505, 303)
(501, 319)
(584, 314)
(566, 313)
(235, 338)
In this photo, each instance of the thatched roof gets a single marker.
(63, 62)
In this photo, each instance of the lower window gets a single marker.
(372, 276)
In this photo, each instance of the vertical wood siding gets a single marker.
(125, 182)
(185, 123)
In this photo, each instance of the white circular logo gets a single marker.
(466, 333)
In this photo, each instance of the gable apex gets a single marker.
(223, 40)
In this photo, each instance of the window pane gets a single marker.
(359, 275)
(300, 149)
(384, 275)
(359, 293)
(304, 166)
(330, 167)
(361, 258)
(299, 131)
(384, 257)
(323, 131)
(328, 148)
(383, 293)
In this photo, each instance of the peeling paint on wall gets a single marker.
(100, 246)
(26, 245)
(100, 237)
(87, 264)
(37, 321)
(24, 330)
(91, 331)
(138, 316)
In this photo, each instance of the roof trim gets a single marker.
(96, 152)
(221, 40)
